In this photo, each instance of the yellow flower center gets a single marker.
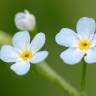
(26, 55)
(84, 44)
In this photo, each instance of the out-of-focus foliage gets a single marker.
(51, 16)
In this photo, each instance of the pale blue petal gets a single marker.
(39, 57)
(67, 37)
(21, 40)
(38, 42)
(8, 54)
(91, 56)
(72, 56)
(86, 27)
(20, 68)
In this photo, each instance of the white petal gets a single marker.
(38, 42)
(91, 56)
(94, 39)
(8, 54)
(72, 56)
(66, 37)
(86, 27)
(39, 57)
(21, 40)
(20, 68)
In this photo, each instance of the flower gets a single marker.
(23, 52)
(80, 44)
(25, 21)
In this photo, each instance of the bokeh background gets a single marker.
(51, 16)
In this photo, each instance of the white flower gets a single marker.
(23, 52)
(25, 21)
(80, 44)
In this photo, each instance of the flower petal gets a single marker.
(20, 68)
(21, 40)
(38, 42)
(86, 27)
(72, 56)
(66, 37)
(39, 57)
(8, 54)
(91, 56)
(94, 39)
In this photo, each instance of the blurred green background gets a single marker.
(51, 16)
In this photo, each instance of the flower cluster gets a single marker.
(23, 52)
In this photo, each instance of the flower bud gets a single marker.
(25, 21)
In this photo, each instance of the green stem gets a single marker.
(83, 79)
(54, 77)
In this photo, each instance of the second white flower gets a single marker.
(80, 44)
